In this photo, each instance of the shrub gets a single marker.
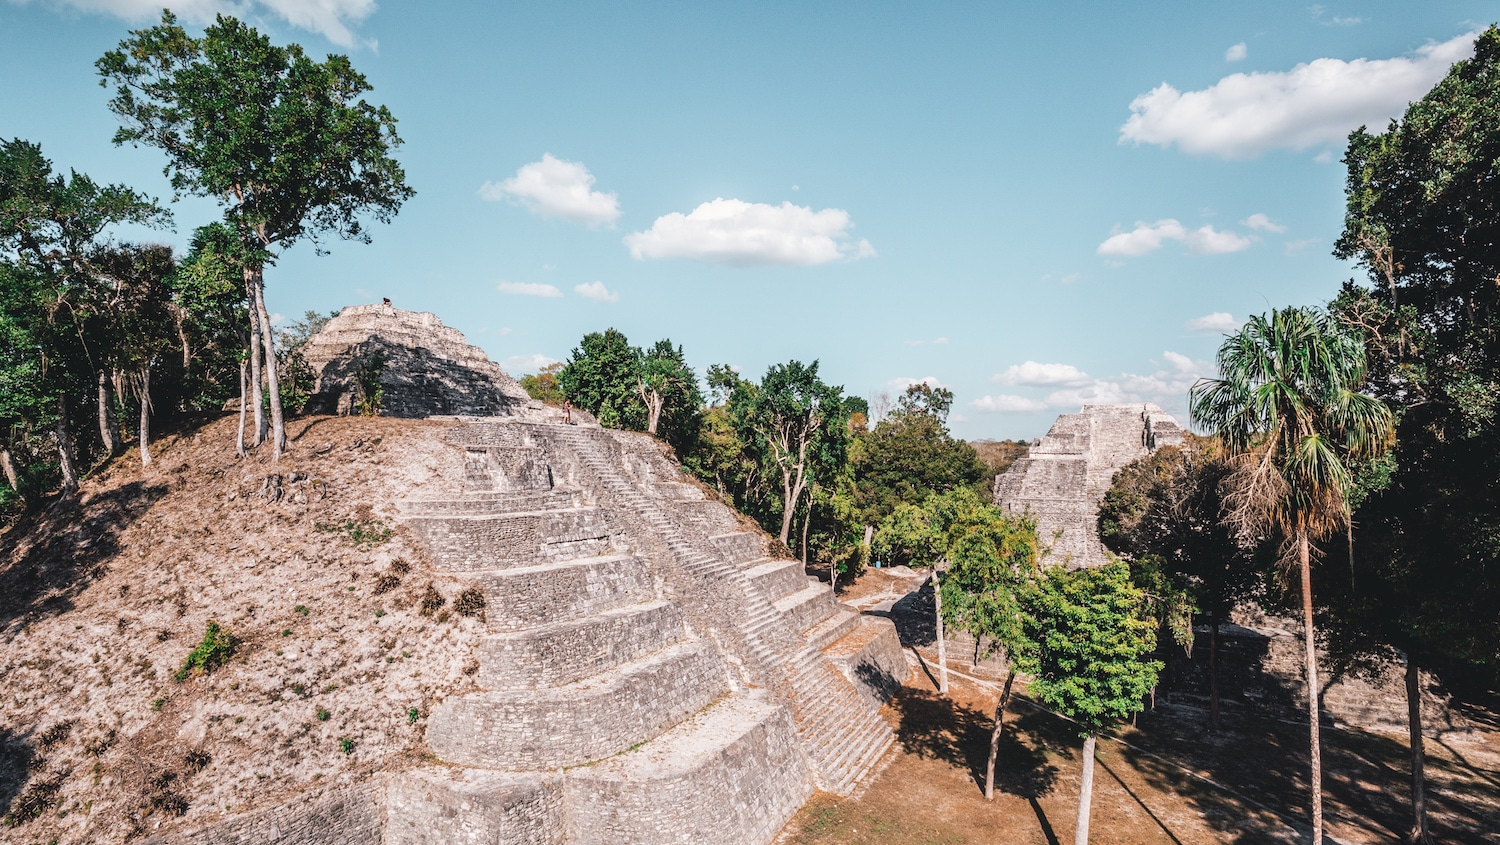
(323, 715)
(432, 600)
(346, 746)
(363, 533)
(385, 582)
(412, 715)
(36, 800)
(197, 760)
(470, 602)
(302, 609)
(212, 652)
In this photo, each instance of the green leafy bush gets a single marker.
(212, 652)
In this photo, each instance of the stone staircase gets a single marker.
(603, 716)
(771, 606)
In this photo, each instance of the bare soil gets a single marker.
(1166, 780)
(336, 662)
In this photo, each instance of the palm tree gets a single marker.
(1289, 412)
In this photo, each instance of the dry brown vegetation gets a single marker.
(301, 562)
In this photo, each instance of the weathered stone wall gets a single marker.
(1066, 474)
(467, 807)
(346, 815)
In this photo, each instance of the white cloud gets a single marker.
(1313, 104)
(1236, 53)
(1006, 403)
(1149, 237)
(899, 385)
(1218, 321)
(333, 19)
(597, 292)
(526, 363)
(1262, 223)
(751, 234)
(529, 289)
(1033, 374)
(553, 187)
(1181, 362)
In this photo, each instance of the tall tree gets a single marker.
(285, 143)
(601, 377)
(910, 454)
(1163, 512)
(1421, 219)
(1088, 632)
(668, 388)
(801, 423)
(1288, 408)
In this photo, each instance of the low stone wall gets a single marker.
(733, 774)
(525, 597)
(562, 653)
(872, 657)
(777, 579)
(741, 546)
(465, 543)
(542, 730)
(444, 807)
(344, 815)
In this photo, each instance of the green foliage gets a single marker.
(297, 377)
(470, 602)
(1088, 633)
(370, 398)
(361, 532)
(322, 714)
(213, 651)
(346, 745)
(992, 559)
(600, 377)
(412, 715)
(668, 389)
(38, 798)
(544, 386)
(910, 454)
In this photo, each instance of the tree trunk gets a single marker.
(654, 412)
(146, 415)
(182, 338)
(1085, 793)
(1213, 670)
(937, 603)
(13, 478)
(109, 430)
(790, 510)
(256, 402)
(239, 440)
(996, 736)
(1419, 834)
(65, 450)
(1315, 755)
(273, 383)
(806, 521)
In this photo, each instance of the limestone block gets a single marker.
(733, 774)
(563, 652)
(777, 579)
(501, 541)
(542, 730)
(491, 504)
(808, 606)
(433, 806)
(344, 815)
(741, 546)
(871, 656)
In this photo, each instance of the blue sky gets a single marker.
(1036, 205)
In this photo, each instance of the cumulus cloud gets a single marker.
(1236, 53)
(597, 292)
(529, 289)
(526, 363)
(1313, 104)
(751, 234)
(1149, 237)
(1262, 223)
(1182, 363)
(1006, 403)
(1218, 321)
(1033, 374)
(553, 187)
(333, 19)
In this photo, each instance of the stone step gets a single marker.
(825, 633)
(871, 657)
(548, 729)
(808, 606)
(499, 541)
(777, 579)
(727, 775)
(527, 597)
(491, 503)
(564, 652)
(740, 546)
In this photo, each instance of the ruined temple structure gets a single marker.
(1066, 474)
(423, 367)
(651, 672)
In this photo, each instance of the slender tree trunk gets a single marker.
(13, 478)
(1085, 792)
(65, 450)
(1419, 834)
(1315, 755)
(1213, 670)
(937, 603)
(256, 378)
(806, 520)
(182, 338)
(109, 430)
(239, 440)
(146, 415)
(996, 736)
(273, 383)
